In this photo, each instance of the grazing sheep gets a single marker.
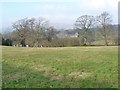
(27, 45)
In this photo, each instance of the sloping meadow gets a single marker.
(62, 67)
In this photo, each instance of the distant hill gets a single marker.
(73, 31)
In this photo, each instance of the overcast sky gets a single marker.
(60, 13)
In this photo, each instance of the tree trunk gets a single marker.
(105, 36)
(23, 43)
(106, 43)
(85, 41)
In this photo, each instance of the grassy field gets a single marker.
(67, 67)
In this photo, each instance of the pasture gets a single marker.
(61, 67)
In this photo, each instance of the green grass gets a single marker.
(67, 67)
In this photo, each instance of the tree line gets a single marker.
(37, 32)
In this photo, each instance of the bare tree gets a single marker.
(30, 31)
(51, 34)
(22, 28)
(30, 38)
(41, 26)
(104, 20)
(84, 24)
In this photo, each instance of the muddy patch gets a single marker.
(80, 74)
(58, 77)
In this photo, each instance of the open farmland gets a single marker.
(62, 67)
